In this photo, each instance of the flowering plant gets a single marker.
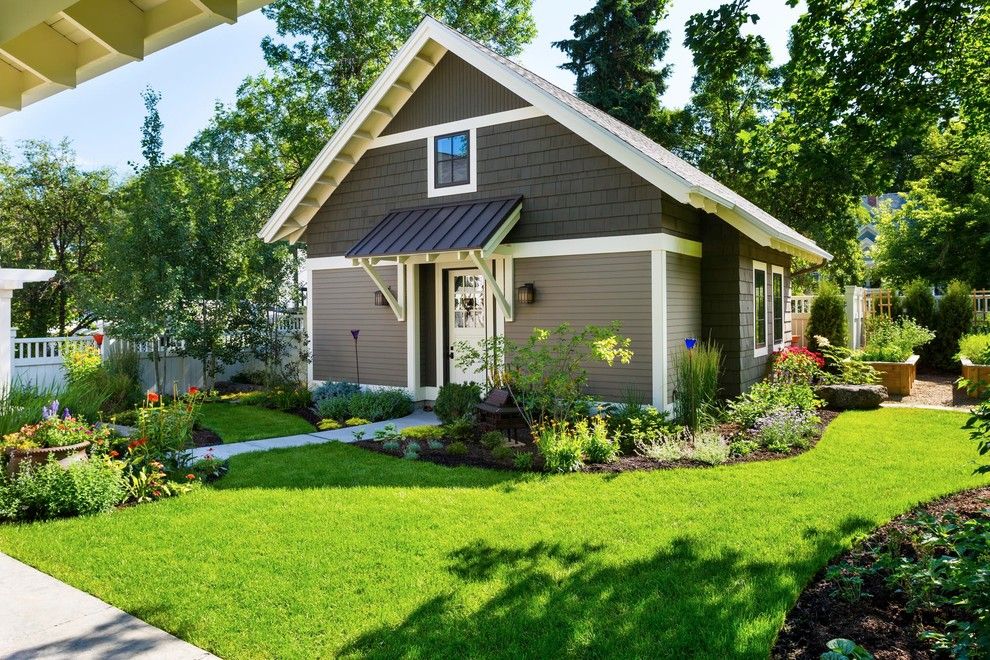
(168, 426)
(783, 429)
(796, 364)
(58, 428)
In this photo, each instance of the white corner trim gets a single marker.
(327, 263)
(309, 325)
(658, 323)
(602, 245)
(481, 121)
(472, 184)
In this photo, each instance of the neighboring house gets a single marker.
(466, 196)
(867, 233)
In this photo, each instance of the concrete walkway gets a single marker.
(41, 617)
(317, 437)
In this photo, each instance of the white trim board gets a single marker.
(482, 121)
(602, 245)
(431, 171)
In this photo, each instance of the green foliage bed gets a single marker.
(237, 422)
(330, 550)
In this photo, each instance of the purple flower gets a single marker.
(690, 342)
(66, 414)
(354, 333)
(50, 411)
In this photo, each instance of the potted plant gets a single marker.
(974, 354)
(58, 436)
(890, 350)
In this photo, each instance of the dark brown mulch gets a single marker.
(479, 456)
(205, 438)
(306, 413)
(879, 623)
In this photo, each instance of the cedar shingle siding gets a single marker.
(343, 300)
(453, 90)
(570, 189)
(593, 289)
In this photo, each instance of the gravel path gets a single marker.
(936, 390)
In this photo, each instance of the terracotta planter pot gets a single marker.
(977, 373)
(65, 456)
(897, 377)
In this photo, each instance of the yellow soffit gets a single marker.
(47, 46)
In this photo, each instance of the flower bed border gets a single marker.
(975, 373)
(897, 377)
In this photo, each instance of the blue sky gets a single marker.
(102, 117)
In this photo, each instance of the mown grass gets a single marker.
(330, 550)
(237, 422)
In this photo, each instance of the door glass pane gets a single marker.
(760, 307)
(778, 307)
(469, 301)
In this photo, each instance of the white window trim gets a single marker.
(760, 351)
(779, 342)
(472, 184)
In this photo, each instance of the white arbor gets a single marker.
(12, 279)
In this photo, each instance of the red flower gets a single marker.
(137, 443)
(190, 477)
(193, 391)
(153, 397)
(114, 453)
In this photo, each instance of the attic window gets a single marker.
(453, 163)
(452, 159)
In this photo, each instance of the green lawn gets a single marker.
(237, 422)
(331, 550)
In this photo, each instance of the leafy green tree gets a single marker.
(615, 54)
(53, 214)
(828, 316)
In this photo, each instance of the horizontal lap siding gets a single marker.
(593, 289)
(454, 90)
(683, 309)
(343, 300)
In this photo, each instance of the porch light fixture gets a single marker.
(526, 294)
(380, 300)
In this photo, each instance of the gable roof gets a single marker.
(414, 62)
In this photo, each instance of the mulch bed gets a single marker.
(479, 456)
(205, 438)
(879, 623)
(306, 413)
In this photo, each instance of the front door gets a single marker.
(466, 318)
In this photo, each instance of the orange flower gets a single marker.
(153, 397)
(114, 453)
(193, 391)
(190, 477)
(137, 443)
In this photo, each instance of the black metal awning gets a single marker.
(461, 226)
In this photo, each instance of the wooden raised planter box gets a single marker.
(897, 377)
(975, 373)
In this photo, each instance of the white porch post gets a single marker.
(12, 279)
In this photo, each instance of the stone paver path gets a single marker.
(340, 435)
(41, 617)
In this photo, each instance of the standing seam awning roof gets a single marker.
(443, 228)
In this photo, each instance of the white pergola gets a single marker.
(12, 279)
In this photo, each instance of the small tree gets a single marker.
(953, 320)
(828, 316)
(919, 303)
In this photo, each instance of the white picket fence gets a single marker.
(37, 361)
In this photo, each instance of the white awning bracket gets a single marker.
(398, 308)
(486, 272)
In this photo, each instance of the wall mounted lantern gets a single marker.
(380, 300)
(526, 294)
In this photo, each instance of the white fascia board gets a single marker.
(601, 245)
(343, 135)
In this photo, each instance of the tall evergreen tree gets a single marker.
(615, 54)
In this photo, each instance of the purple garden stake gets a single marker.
(357, 364)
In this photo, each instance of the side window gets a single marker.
(760, 308)
(778, 308)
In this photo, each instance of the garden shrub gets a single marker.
(392, 445)
(893, 341)
(845, 366)
(434, 444)
(492, 439)
(389, 432)
(52, 491)
(456, 400)
(918, 303)
(630, 421)
(423, 432)
(503, 453)
(329, 425)
(599, 446)
(461, 428)
(953, 320)
(697, 384)
(123, 385)
(562, 450)
(79, 359)
(356, 421)
(381, 404)
(457, 448)
(337, 408)
(332, 389)
(289, 397)
(796, 364)
(168, 426)
(976, 348)
(664, 448)
(784, 429)
(709, 447)
(249, 377)
(765, 397)
(742, 447)
(523, 460)
(828, 316)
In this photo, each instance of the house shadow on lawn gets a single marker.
(552, 601)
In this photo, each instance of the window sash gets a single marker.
(451, 159)
(778, 308)
(759, 307)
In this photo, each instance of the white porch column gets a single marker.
(12, 279)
